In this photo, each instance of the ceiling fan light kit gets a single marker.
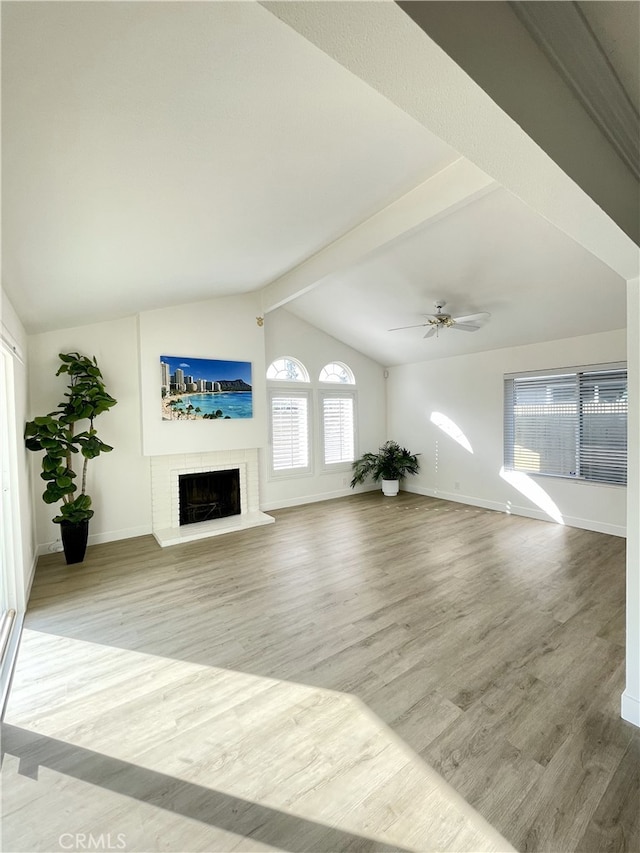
(442, 320)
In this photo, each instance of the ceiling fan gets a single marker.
(440, 320)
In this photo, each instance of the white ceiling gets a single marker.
(156, 153)
(162, 153)
(491, 255)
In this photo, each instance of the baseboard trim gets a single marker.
(526, 512)
(31, 578)
(312, 499)
(630, 709)
(114, 536)
(456, 497)
(55, 547)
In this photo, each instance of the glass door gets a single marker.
(10, 545)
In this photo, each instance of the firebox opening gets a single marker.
(209, 495)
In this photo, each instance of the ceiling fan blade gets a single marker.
(398, 328)
(465, 327)
(471, 318)
(429, 319)
(431, 332)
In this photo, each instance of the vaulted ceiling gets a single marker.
(162, 153)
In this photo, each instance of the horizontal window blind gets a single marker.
(603, 426)
(568, 424)
(290, 431)
(338, 429)
(540, 428)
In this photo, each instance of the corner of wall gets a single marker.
(630, 709)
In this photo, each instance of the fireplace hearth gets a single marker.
(204, 521)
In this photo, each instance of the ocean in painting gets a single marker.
(234, 404)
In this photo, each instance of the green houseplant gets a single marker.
(390, 464)
(61, 435)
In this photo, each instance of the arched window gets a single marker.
(338, 373)
(290, 412)
(287, 369)
(338, 414)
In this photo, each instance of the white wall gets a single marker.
(128, 353)
(469, 391)
(223, 328)
(631, 695)
(287, 335)
(118, 482)
(15, 338)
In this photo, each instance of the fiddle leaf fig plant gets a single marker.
(59, 435)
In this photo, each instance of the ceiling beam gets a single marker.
(490, 42)
(448, 190)
(568, 41)
(382, 46)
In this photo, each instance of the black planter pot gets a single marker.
(74, 540)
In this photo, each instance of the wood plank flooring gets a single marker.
(316, 683)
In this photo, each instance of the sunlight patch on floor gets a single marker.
(307, 752)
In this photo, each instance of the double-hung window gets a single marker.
(569, 423)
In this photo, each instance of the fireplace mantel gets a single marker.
(165, 471)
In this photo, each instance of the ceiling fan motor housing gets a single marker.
(441, 319)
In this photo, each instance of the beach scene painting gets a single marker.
(195, 389)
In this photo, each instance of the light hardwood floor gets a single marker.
(308, 685)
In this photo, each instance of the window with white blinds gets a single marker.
(290, 431)
(568, 424)
(338, 429)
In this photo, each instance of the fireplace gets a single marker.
(208, 495)
(204, 521)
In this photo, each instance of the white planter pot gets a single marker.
(390, 488)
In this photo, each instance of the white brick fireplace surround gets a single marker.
(165, 471)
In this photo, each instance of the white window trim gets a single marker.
(567, 371)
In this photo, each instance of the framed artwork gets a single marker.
(195, 389)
